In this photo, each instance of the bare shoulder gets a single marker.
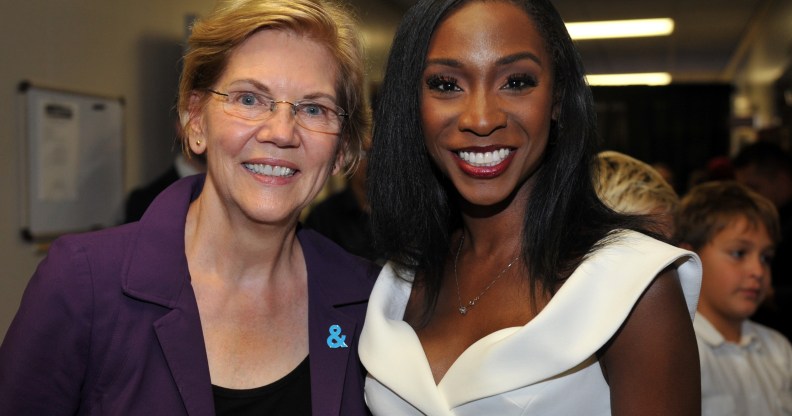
(652, 362)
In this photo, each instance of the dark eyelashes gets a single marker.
(441, 83)
(520, 81)
(516, 82)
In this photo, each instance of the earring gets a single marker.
(197, 142)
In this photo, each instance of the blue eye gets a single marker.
(313, 109)
(247, 99)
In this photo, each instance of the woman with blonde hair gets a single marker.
(216, 301)
(625, 184)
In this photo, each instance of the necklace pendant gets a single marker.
(463, 310)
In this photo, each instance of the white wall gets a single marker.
(117, 48)
(769, 54)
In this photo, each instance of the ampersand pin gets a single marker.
(336, 340)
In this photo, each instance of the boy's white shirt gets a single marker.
(752, 377)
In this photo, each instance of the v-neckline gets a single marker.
(575, 323)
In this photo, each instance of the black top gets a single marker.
(340, 218)
(290, 395)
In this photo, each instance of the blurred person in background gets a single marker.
(628, 185)
(746, 367)
(766, 168)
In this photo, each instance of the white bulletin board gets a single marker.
(72, 161)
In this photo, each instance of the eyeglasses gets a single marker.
(310, 115)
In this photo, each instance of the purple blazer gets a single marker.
(109, 325)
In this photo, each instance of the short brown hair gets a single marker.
(215, 37)
(709, 207)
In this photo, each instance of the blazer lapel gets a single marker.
(328, 357)
(336, 305)
(157, 272)
(182, 344)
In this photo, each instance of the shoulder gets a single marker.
(96, 250)
(77, 271)
(656, 345)
(770, 338)
(636, 260)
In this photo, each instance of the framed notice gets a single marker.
(72, 161)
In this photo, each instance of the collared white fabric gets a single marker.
(547, 367)
(752, 378)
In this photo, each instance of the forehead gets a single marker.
(740, 226)
(275, 56)
(486, 28)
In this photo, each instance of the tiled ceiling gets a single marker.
(708, 41)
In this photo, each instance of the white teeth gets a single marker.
(269, 170)
(485, 159)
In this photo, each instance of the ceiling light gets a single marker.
(608, 29)
(648, 78)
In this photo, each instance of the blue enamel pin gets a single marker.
(336, 340)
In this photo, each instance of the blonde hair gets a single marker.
(627, 185)
(332, 25)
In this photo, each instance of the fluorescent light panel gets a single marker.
(648, 78)
(608, 29)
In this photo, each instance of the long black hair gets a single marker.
(413, 207)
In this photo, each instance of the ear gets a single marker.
(340, 158)
(556, 111)
(192, 124)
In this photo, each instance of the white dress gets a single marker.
(547, 367)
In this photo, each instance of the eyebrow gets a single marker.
(509, 59)
(519, 56)
(256, 84)
(750, 243)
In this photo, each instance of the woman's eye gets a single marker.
(737, 254)
(313, 109)
(519, 82)
(247, 99)
(442, 84)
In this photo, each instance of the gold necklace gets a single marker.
(463, 309)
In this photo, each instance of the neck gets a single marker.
(494, 229)
(221, 245)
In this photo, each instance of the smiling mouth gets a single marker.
(485, 159)
(269, 170)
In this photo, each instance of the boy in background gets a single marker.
(746, 368)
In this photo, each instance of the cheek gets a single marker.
(716, 279)
(431, 129)
(325, 153)
(431, 122)
(535, 119)
(767, 281)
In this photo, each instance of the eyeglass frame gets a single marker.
(273, 105)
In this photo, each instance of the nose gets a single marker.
(280, 127)
(758, 268)
(482, 114)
